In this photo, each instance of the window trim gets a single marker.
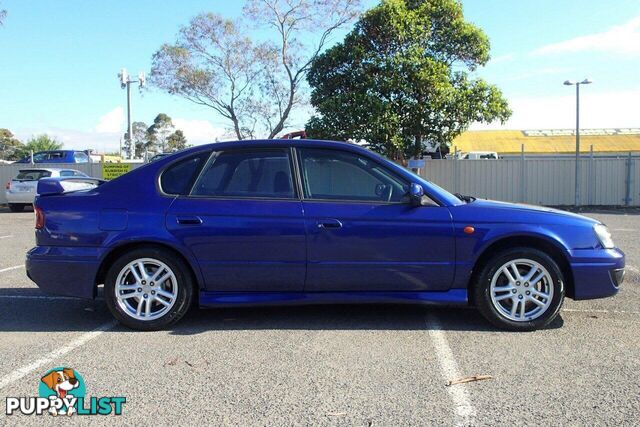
(350, 201)
(216, 153)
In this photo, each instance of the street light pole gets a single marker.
(577, 168)
(125, 82)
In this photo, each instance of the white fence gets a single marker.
(603, 182)
(551, 182)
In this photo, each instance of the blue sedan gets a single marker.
(308, 222)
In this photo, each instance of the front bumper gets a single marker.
(597, 273)
(68, 271)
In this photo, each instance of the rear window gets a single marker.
(32, 175)
(179, 177)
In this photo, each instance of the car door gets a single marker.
(363, 235)
(243, 222)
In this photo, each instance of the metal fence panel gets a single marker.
(603, 181)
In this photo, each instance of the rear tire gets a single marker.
(16, 207)
(520, 289)
(148, 289)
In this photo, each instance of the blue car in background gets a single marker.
(57, 156)
(307, 222)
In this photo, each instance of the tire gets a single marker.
(496, 291)
(16, 207)
(163, 311)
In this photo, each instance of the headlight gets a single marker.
(603, 235)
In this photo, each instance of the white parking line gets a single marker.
(464, 410)
(595, 310)
(6, 237)
(42, 297)
(15, 267)
(50, 357)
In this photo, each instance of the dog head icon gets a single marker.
(61, 381)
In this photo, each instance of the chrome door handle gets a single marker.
(189, 220)
(329, 223)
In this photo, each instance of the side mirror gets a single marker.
(416, 194)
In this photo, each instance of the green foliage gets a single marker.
(10, 146)
(400, 79)
(39, 143)
(159, 132)
(176, 141)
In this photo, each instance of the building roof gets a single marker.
(549, 141)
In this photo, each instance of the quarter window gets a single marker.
(247, 173)
(179, 177)
(340, 175)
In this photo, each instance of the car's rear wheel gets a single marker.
(148, 289)
(16, 207)
(520, 289)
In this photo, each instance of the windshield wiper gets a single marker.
(465, 198)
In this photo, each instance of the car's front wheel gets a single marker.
(520, 289)
(148, 289)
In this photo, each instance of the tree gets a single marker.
(40, 143)
(158, 133)
(3, 15)
(10, 146)
(176, 141)
(139, 138)
(252, 84)
(400, 79)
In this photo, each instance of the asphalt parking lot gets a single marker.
(337, 365)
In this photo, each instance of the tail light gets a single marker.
(39, 218)
(8, 186)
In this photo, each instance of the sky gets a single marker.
(59, 61)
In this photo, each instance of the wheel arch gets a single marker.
(117, 251)
(553, 248)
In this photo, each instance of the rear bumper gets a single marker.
(597, 273)
(64, 270)
(20, 197)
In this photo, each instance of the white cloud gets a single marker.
(622, 39)
(112, 122)
(199, 131)
(597, 110)
(502, 58)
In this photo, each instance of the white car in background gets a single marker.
(21, 190)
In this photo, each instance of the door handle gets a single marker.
(329, 223)
(189, 220)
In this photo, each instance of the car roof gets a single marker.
(316, 143)
(48, 169)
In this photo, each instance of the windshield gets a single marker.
(443, 194)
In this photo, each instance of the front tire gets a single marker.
(148, 289)
(520, 289)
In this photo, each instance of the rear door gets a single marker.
(363, 235)
(243, 222)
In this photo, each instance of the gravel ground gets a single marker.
(334, 365)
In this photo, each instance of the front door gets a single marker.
(363, 235)
(243, 222)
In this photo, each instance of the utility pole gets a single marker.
(125, 83)
(577, 85)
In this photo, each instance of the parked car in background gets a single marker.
(304, 221)
(57, 156)
(21, 190)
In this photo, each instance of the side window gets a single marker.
(66, 173)
(178, 178)
(340, 175)
(80, 157)
(248, 173)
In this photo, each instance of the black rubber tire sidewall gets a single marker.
(185, 289)
(16, 207)
(482, 296)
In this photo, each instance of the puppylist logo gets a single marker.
(62, 391)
